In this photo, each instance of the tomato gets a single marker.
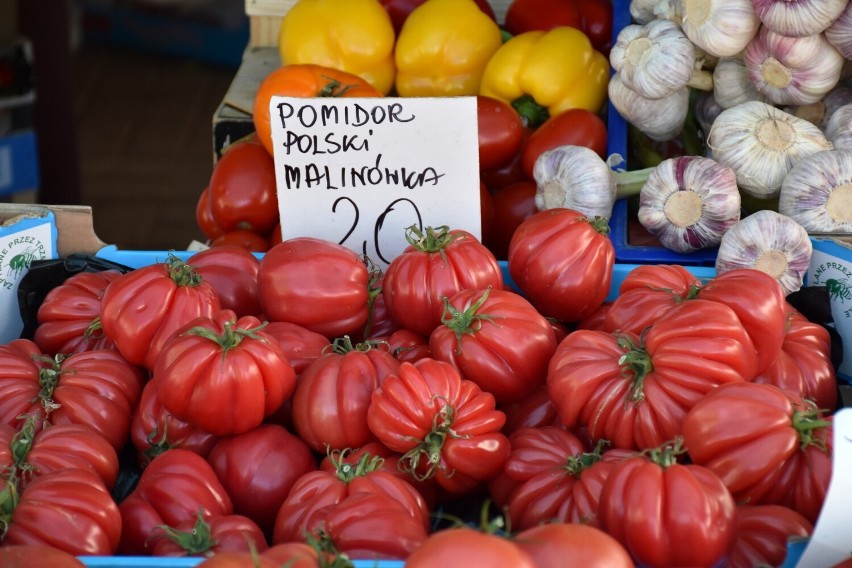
(496, 339)
(243, 560)
(574, 544)
(329, 406)
(763, 532)
(573, 127)
(513, 204)
(446, 426)
(512, 172)
(69, 315)
(141, 309)
(408, 346)
(232, 272)
(380, 322)
(154, 429)
(292, 555)
(244, 238)
(303, 80)
(258, 468)
(437, 262)
(398, 10)
(223, 374)
(204, 216)
(318, 492)
(465, 546)
(14, 556)
(243, 191)
(299, 344)
(562, 262)
(208, 536)
(500, 131)
(315, 283)
(636, 394)
(99, 389)
(532, 411)
(29, 453)
(174, 487)
(69, 509)
(804, 365)
(768, 445)
(486, 212)
(666, 513)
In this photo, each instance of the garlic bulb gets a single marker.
(820, 112)
(839, 33)
(720, 27)
(660, 119)
(654, 60)
(771, 242)
(574, 177)
(706, 109)
(761, 143)
(798, 18)
(817, 192)
(689, 202)
(792, 71)
(839, 128)
(644, 11)
(731, 83)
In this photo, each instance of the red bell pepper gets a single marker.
(592, 17)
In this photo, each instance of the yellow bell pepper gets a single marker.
(543, 73)
(356, 36)
(443, 48)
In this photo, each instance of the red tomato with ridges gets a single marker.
(763, 535)
(208, 535)
(232, 272)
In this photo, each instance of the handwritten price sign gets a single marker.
(360, 171)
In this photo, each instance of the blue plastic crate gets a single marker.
(18, 162)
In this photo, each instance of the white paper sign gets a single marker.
(830, 542)
(360, 171)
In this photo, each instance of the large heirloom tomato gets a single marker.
(437, 262)
(69, 509)
(232, 273)
(763, 535)
(41, 555)
(69, 317)
(300, 345)
(496, 339)
(562, 261)
(207, 536)
(97, 388)
(636, 393)
(572, 544)
(666, 513)
(445, 426)
(315, 283)
(141, 309)
(768, 445)
(329, 406)
(175, 487)
(258, 469)
(223, 374)
(465, 546)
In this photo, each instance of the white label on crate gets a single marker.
(17, 251)
(832, 268)
(830, 543)
(360, 171)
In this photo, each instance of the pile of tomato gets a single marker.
(305, 406)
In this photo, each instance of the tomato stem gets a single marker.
(467, 322)
(600, 224)
(636, 361)
(9, 498)
(346, 472)
(430, 447)
(575, 464)
(666, 454)
(181, 273)
(230, 337)
(197, 541)
(811, 427)
(333, 88)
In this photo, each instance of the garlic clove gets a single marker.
(761, 143)
(792, 71)
(689, 202)
(574, 177)
(655, 59)
(720, 27)
(817, 192)
(770, 242)
(799, 18)
(660, 119)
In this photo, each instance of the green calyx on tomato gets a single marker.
(197, 541)
(808, 424)
(430, 239)
(22, 443)
(230, 337)
(665, 455)
(636, 360)
(467, 322)
(346, 472)
(343, 345)
(333, 88)
(531, 112)
(575, 465)
(600, 224)
(9, 499)
(182, 273)
(430, 447)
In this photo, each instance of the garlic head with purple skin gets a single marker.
(660, 119)
(798, 18)
(839, 127)
(719, 27)
(817, 192)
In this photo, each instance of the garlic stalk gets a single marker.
(839, 33)
(798, 18)
(792, 71)
(575, 177)
(839, 128)
(761, 143)
(820, 112)
(654, 59)
(770, 242)
(689, 202)
(660, 119)
(720, 27)
(817, 192)
(731, 83)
